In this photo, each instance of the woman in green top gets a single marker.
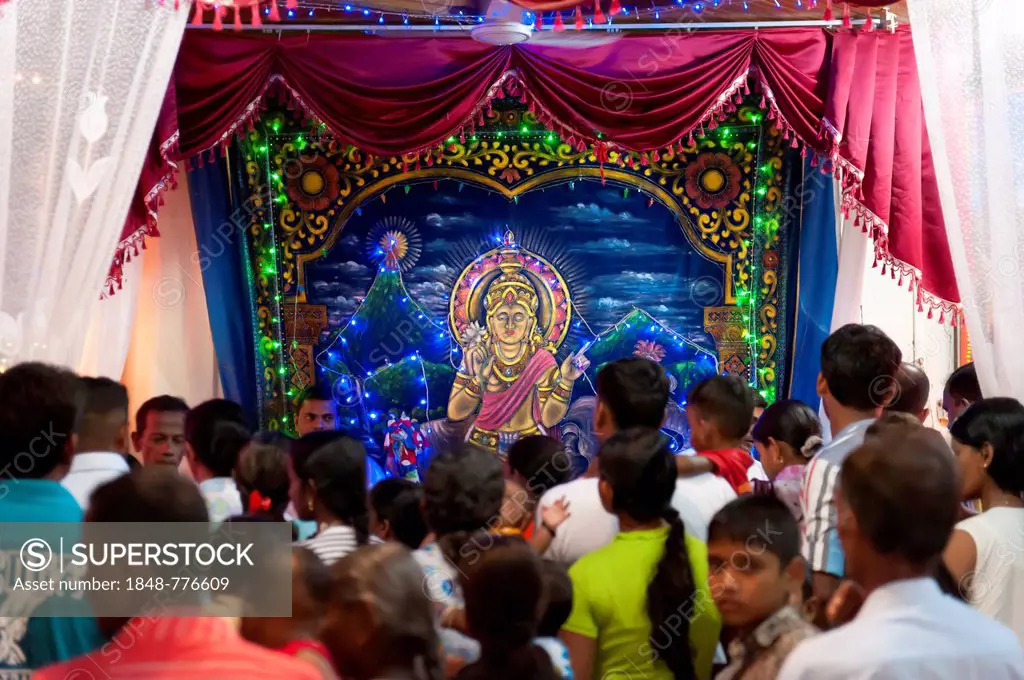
(641, 605)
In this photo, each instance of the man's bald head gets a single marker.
(900, 494)
(912, 391)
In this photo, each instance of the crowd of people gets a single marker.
(775, 548)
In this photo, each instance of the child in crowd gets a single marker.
(988, 438)
(503, 588)
(516, 517)
(641, 605)
(262, 476)
(379, 622)
(328, 484)
(538, 464)
(298, 635)
(556, 610)
(756, 574)
(395, 512)
(787, 435)
(719, 411)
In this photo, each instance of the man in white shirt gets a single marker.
(100, 454)
(631, 392)
(895, 514)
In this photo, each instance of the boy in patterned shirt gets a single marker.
(756, 576)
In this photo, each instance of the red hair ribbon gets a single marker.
(257, 502)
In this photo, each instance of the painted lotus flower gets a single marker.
(648, 349)
(315, 187)
(510, 175)
(713, 180)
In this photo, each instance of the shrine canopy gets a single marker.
(848, 98)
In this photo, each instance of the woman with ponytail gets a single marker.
(786, 436)
(328, 485)
(504, 587)
(641, 605)
(379, 623)
(983, 554)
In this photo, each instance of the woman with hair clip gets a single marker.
(503, 588)
(786, 436)
(262, 477)
(641, 604)
(379, 623)
(328, 485)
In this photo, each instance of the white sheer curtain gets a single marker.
(970, 54)
(81, 84)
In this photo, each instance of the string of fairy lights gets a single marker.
(275, 356)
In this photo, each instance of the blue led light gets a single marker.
(423, 402)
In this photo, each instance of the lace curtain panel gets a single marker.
(81, 85)
(971, 60)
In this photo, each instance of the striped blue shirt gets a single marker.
(821, 546)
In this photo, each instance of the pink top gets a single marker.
(180, 648)
(787, 489)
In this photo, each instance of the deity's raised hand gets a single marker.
(573, 367)
(485, 372)
(475, 359)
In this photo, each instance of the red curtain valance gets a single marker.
(641, 94)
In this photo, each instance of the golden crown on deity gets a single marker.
(511, 286)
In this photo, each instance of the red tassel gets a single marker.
(275, 15)
(713, 125)
(691, 141)
(197, 18)
(829, 16)
(764, 102)
(803, 152)
(795, 143)
(599, 18)
(218, 23)
(559, 25)
(257, 20)
(655, 156)
(238, 19)
(847, 21)
(814, 161)
(579, 18)
(942, 316)
(177, 6)
(615, 8)
(538, 23)
(870, 23)
(291, 4)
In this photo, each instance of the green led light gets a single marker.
(761, 191)
(276, 125)
(276, 320)
(277, 344)
(551, 138)
(500, 134)
(281, 371)
(524, 129)
(277, 298)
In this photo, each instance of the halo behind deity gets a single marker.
(554, 309)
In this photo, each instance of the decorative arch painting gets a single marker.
(477, 295)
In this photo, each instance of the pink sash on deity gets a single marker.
(499, 407)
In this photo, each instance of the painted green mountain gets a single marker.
(401, 387)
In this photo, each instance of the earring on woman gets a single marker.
(309, 504)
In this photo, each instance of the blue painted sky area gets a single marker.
(614, 250)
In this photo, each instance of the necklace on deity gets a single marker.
(509, 371)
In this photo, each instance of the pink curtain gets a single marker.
(632, 99)
(875, 117)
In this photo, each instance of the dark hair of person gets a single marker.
(320, 391)
(557, 600)
(164, 403)
(150, 494)
(503, 589)
(727, 401)
(859, 363)
(998, 422)
(542, 462)
(217, 432)
(132, 461)
(641, 471)
(759, 401)
(963, 384)
(636, 391)
(903, 488)
(392, 580)
(41, 409)
(462, 492)
(315, 575)
(760, 523)
(336, 467)
(912, 390)
(790, 421)
(892, 419)
(104, 413)
(399, 502)
(263, 469)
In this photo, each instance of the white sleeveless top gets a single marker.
(997, 584)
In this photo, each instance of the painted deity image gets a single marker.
(509, 382)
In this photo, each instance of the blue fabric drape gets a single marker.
(817, 262)
(220, 222)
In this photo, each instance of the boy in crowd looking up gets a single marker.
(962, 389)
(756, 575)
(102, 438)
(857, 380)
(895, 516)
(159, 436)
